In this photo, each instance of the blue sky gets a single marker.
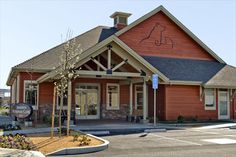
(28, 28)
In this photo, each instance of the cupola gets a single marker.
(120, 19)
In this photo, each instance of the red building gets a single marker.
(115, 68)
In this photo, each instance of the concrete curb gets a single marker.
(81, 150)
(154, 130)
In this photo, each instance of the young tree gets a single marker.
(66, 72)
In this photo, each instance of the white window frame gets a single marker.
(136, 92)
(228, 104)
(107, 97)
(214, 99)
(35, 107)
(98, 100)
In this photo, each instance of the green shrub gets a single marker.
(151, 119)
(84, 141)
(17, 141)
(9, 127)
(194, 119)
(48, 120)
(75, 135)
(180, 119)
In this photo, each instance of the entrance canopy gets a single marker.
(225, 78)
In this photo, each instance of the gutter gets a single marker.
(14, 71)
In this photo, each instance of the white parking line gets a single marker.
(213, 133)
(206, 132)
(218, 126)
(174, 139)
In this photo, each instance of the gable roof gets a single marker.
(225, 78)
(185, 69)
(177, 22)
(50, 59)
(101, 45)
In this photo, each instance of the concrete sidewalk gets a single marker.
(112, 128)
(116, 127)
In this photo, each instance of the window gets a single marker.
(123, 20)
(30, 92)
(115, 20)
(139, 97)
(210, 99)
(113, 96)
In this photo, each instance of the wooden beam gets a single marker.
(88, 67)
(98, 58)
(113, 61)
(105, 77)
(119, 65)
(104, 73)
(98, 63)
(109, 59)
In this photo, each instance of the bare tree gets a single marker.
(66, 72)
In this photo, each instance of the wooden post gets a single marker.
(69, 108)
(130, 98)
(144, 100)
(53, 111)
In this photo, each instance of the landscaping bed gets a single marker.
(45, 144)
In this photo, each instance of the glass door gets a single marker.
(87, 102)
(223, 105)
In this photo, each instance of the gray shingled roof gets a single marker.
(50, 59)
(185, 69)
(226, 77)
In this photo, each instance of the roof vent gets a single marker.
(120, 19)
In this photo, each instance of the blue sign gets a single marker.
(155, 81)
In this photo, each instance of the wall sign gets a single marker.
(22, 110)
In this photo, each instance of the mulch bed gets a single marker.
(45, 144)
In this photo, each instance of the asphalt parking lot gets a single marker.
(179, 143)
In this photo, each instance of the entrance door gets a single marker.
(87, 102)
(223, 105)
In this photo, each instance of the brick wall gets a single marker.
(185, 101)
(145, 39)
(160, 110)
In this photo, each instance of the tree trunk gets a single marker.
(61, 104)
(53, 111)
(69, 108)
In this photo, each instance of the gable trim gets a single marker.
(99, 48)
(177, 22)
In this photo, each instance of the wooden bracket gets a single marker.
(232, 94)
(201, 92)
